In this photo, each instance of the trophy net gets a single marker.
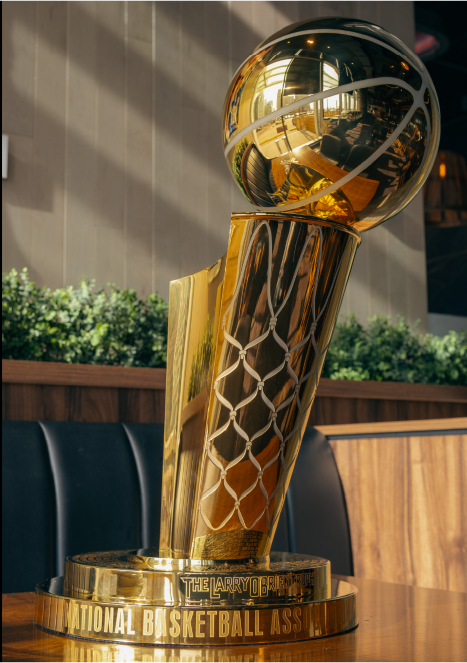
(235, 418)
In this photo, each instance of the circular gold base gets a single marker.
(262, 602)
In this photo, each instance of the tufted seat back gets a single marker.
(70, 488)
(331, 148)
(256, 176)
(358, 154)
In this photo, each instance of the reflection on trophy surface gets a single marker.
(328, 133)
(232, 442)
(329, 128)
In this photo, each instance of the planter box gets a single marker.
(77, 392)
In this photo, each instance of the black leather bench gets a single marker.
(82, 487)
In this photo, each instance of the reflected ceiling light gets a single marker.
(310, 41)
(442, 170)
(405, 66)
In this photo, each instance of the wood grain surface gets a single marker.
(83, 375)
(27, 402)
(396, 391)
(430, 425)
(359, 190)
(397, 623)
(407, 504)
(89, 375)
(75, 392)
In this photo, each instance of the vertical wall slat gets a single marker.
(415, 266)
(139, 206)
(217, 80)
(110, 176)
(167, 215)
(18, 56)
(378, 271)
(397, 276)
(357, 288)
(17, 205)
(49, 144)
(81, 142)
(194, 168)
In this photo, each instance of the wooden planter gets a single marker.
(76, 392)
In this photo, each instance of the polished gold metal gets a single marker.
(247, 342)
(332, 106)
(108, 597)
(329, 127)
(136, 576)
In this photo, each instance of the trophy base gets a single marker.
(135, 597)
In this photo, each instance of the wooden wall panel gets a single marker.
(32, 402)
(337, 401)
(100, 405)
(26, 402)
(122, 103)
(22, 402)
(144, 406)
(64, 392)
(59, 403)
(407, 504)
(328, 410)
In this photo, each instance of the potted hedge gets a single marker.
(89, 325)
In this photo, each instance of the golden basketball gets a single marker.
(332, 118)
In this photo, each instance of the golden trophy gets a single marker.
(329, 128)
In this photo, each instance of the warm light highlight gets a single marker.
(405, 66)
(442, 170)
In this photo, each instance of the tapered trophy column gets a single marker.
(247, 342)
(329, 128)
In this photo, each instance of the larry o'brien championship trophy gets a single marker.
(329, 128)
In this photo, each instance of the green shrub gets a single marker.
(90, 326)
(382, 351)
(82, 325)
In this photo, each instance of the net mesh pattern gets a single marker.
(258, 392)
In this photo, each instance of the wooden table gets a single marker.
(397, 623)
(359, 190)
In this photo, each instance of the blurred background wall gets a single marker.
(113, 111)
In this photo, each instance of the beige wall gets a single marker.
(116, 169)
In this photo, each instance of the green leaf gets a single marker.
(82, 325)
(112, 326)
